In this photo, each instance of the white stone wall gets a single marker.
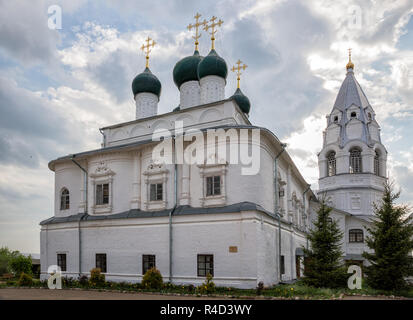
(68, 176)
(190, 94)
(125, 241)
(212, 89)
(146, 105)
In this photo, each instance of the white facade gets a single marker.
(237, 227)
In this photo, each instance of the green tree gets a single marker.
(391, 238)
(323, 266)
(21, 264)
(5, 257)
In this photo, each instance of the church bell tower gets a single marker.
(352, 162)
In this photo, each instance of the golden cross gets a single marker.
(196, 26)
(213, 30)
(238, 70)
(146, 49)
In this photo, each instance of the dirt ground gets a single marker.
(46, 294)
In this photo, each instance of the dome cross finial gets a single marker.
(238, 69)
(350, 64)
(146, 49)
(196, 25)
(212, 26)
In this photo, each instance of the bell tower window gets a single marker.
(331, 164)
(353, 115)
(355, 160)
(377, 164)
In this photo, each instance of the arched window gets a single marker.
(353, 115)
(331, 164)
(355, 235)
(64, 199)
(377, 163)
(355, 160)
(335, 119)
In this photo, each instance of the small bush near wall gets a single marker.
(97, 279)
(84, 281)
(25, 280)
(260, 288)
(152, 279)
(208, 286)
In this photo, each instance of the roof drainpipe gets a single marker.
(306, 190)
(276, 211)
(172, 211)
(86, 207)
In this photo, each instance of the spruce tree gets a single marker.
(323, 265)
(391, 238)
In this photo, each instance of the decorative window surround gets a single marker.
(210, 170)
(102, 175)
(156, 173)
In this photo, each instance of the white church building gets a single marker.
(122, 210)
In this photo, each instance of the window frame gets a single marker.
(146, 264)
(354, 236)
(212, 186)
(204, 269)
(101, 255)
(158, 191)
(59, 259)
(103, 196)
(331, 163)
(376, 164)
(355, 160)
(64, 204)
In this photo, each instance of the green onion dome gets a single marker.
(242, 101)
(186, 69)
(146, 82)
(212, 65)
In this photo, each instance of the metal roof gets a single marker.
(179, 211)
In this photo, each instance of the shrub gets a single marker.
(83, 281)
(208, 286)
(6, 256)
(25, 280)
(191, 288)
(259, 288)
(68, 282)
(152, 279)
(97, 279)
(20, 264)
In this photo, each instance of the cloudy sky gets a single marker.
(57, 87)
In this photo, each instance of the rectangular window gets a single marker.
(148, 262)
(205, 265)
(102, 194)
(101, 261)
(356, 235)
(282, 265)
(213, 185)
(61, 261)
(156, 192)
